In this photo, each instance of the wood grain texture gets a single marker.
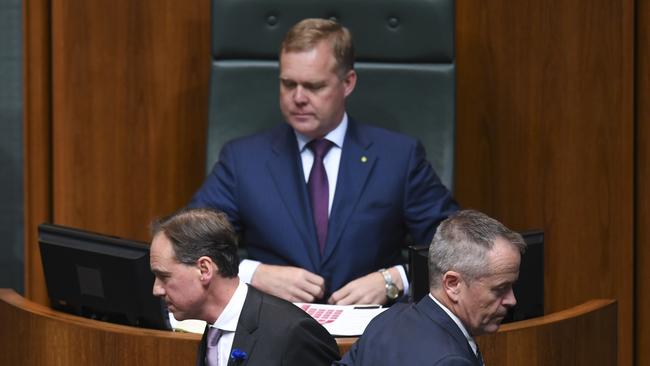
(33, 334)
(130, 85)
(642, 195)
(36, 138)
(545, 137)
(584, 335)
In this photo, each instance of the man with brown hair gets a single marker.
(194, 260)
(324, 203)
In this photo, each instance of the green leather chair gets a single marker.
(405, 64)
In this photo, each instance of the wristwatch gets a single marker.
(392, 292)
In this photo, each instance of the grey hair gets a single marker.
(461, 243)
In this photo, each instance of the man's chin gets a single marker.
(303, 125)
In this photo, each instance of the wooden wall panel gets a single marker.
(545, 137)
(642, 196)
(130, 85)
(37, 119)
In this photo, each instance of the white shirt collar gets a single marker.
(229, 317)
(336, 136)
(459, 323)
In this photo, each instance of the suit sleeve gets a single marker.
(219, 190)
(426, 200)
(310, 344)
(455, 360)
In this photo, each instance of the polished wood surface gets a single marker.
(642, 194)
(585, 335)
(124, 139)
(37, 138)
(33, 334)
(130, 83)
(545, 138)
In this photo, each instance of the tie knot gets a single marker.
(319, 147)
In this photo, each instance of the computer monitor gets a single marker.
(100, 277)
(529, 288)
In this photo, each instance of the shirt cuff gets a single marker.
(247, 268)
(402, 273)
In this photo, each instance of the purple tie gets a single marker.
(212, 353)
(319, 189)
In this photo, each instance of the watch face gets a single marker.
(392, 292)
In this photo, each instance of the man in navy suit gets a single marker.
(194, 260)
(343, 248)
(473, 263)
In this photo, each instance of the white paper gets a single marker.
(188, 325)
(342, 320)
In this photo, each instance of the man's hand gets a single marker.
(369, 289)
(290, 283)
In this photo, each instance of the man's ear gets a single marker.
(451, 284)
(349, 82)
(207, 268)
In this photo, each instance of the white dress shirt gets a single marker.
(228, 320)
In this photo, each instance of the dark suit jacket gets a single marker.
(412, 334)
(385, 189)
(273, 331)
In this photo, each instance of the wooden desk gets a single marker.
(33, 334)
(583, 335)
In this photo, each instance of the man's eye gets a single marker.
(314, 87)
(288, 84)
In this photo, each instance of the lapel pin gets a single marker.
(364, 159)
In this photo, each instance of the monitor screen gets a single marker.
(529, 288)
(100, 277)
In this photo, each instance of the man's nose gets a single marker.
(510, 300)
(158, 290)
(299, 95)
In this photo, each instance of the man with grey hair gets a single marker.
(473, 263)
(194, 259)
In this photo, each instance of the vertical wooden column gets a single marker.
(37, 144)
(545, 137)
(642, 194)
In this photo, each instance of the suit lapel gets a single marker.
(357, 161)
(245, 337)
(434, 312)
(200, 355)
(285, 167)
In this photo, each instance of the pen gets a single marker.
(368, 307)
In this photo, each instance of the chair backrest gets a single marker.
(404, 60)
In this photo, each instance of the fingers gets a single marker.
(290, 283)
(369, 289)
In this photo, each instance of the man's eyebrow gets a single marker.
(158, 271)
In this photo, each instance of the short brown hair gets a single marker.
(197, 232)
(306, 34)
